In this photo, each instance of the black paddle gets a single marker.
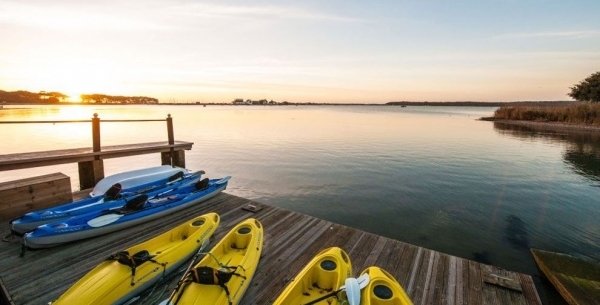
(194, 259)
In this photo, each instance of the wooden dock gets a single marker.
(291, 240)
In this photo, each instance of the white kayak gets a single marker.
(135, 178)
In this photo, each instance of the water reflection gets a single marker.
(18, 113)
(582, 147)
(585, 162)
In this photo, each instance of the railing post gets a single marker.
(172, 157)
(96, 134)
(167, 158)
(90, 172)
(170, 129)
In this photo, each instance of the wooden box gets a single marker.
(22, 196)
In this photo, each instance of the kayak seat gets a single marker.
(113, 193)
(176, 176)
(202, 184)
(141, 257)
(135, 260)
(211, 276)
(135, 204)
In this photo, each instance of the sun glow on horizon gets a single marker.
(68, 78)
(73, 97)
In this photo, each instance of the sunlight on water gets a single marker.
(431, 176)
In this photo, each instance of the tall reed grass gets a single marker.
(583, 114)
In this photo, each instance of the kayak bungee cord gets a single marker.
(210, 276)
(9, 238)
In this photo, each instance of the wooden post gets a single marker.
(174, 158)
(167, 158)
(170, 129)
(96, 134)
(178, 158)
(90, 172)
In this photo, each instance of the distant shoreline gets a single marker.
(549, 125)
(396, 104)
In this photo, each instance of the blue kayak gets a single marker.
(138, 209)
(113, 198)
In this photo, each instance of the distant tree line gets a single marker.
(485, 104)
(117, 99)
(27, 97)
(43, 97)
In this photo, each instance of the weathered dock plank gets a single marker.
(440, 290)
(291, 240)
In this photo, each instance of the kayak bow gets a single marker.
(325, 273)
(383, 289)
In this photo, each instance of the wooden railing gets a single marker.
(91, 166)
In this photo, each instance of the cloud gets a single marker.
(557, 34)
(134, 16)
(80, 17)
(268, 12)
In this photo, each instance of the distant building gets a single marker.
(240, 101)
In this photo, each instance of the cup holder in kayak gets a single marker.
(383, 292)
(198, 223)
(328, 265)
(241, 238)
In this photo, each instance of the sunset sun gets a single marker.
(70, 75)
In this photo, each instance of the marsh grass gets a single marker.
(582, 114)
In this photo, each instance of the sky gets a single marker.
(301, 51)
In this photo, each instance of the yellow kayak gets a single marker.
(324, 274)
(128, 273)
(223, 274)
(383, 289)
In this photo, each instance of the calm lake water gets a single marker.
(435, 177)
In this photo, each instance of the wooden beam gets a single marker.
(75, 155)
(25, 195)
